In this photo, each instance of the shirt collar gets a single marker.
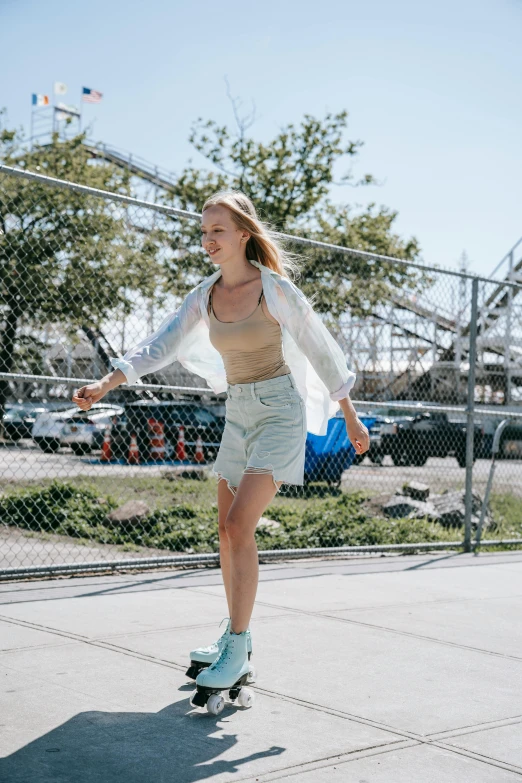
(259, 265)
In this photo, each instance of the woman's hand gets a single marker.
(93, 392)
(358, 435)
(357, 431)
(88, 395)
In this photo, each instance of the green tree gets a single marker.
(65, 257)
(289, 180)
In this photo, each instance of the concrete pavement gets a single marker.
(380, 669)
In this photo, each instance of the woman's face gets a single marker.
(220, 237)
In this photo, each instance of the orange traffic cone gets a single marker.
(180, 446)
(199, 455)
(157, 441)
(106, 451)
(134, 452)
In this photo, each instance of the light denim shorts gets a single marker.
(265, 432)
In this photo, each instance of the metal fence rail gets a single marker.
(86, 273)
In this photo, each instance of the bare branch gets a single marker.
(243, 123)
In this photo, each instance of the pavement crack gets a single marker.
(386, 629)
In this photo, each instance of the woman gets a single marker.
(249, 329)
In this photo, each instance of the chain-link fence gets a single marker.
(86, 274)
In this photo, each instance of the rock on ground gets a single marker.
(131, 512)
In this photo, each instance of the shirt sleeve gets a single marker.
(316, 342)
(160, 348)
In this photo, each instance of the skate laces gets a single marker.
(225, 631)
(223, 655)
(216, 644)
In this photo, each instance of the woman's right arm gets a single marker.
(150, 355)
(93, 392)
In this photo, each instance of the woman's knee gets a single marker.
(237, 532)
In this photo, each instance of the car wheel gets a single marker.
(396, 457)
(49, 445)
(461, 459)
(80, 449)
(401, 458)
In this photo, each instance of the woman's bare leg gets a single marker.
(255, 492)
(225, 499)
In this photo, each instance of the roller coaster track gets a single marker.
(126, 160)
(492, 309)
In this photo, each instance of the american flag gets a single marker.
(91, 96)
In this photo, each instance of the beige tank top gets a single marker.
(251, 348)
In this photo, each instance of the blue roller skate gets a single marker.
(229, 673)
(202, 657)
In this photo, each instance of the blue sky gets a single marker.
(433, 90)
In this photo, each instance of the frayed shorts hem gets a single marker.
(252, 470)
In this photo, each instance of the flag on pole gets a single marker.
(40, 100)
(91, 96)
(60, 88)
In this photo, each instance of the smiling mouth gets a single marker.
(213, 252)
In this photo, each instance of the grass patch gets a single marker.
(507, 514)
(183, 516)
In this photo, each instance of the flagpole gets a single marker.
(54, 111)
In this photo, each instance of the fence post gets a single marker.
(470, 414)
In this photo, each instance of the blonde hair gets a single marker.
(264, 245)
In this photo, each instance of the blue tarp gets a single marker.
(327, 456)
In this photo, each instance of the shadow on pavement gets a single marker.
(174, 744)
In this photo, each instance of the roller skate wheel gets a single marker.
(252, 674)
(245, 698)
(215, 703)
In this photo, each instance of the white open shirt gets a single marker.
(313, 355)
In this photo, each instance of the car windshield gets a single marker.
(392, 412)
(24, 410)
(204, 417)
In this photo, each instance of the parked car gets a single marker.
(83, 431)
(196, 420)
(48, 429)
(411, 440)
(19, 419)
